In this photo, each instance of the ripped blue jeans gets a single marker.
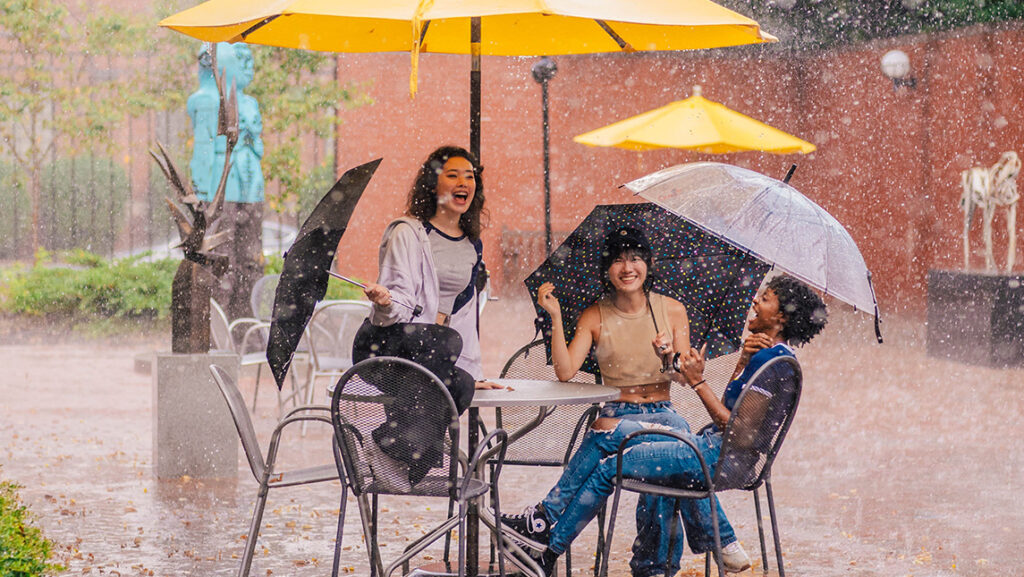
(590, 477)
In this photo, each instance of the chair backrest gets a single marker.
(758, 424)
(396, 407)
(333, 328)
(548, 443)
(718, 372)
(240, 414)
(220, 334)
(261, 299)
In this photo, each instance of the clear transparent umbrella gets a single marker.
(769, 218)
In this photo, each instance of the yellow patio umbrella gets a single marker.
(695, 123)
(481, 27)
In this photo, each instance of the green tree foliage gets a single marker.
(298, 98)
(24, 552)
(66, 86)
(827, 23)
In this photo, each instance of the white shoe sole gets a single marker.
(514, 535)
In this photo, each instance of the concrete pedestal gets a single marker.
(193, 433)
(976, 318)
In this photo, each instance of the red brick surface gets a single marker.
(888, 162)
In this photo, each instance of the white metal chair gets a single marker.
(330, 333)
(264, 470)
(251, 348)
(261, 299)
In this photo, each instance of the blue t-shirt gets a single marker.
(735, 387)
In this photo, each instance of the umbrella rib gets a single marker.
(828, 247)
(423, 32)
(625, 46)
(257, 26)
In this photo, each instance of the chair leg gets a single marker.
(254, 529)
(341, 531)
(256, 389)
(717, 534)
(775, 526)
(611, 531)
(374, 499)
(496, 540)
(760, 531)
(367, 516)
(599, 552)
(497, 515)
(462, 537)
(448, 535)
(672, 536)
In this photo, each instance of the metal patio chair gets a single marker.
(751, 441)
(251, 348)
(553, 442)
(264, 469)
(330, 334)
(261, 299)
(388, 412)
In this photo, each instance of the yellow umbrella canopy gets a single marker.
(695, 123)
(481, 27)
(508, 27)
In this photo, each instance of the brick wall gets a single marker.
(887, 165)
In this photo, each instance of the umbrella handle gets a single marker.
(416, 310)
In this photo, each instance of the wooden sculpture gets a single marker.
(192, 284)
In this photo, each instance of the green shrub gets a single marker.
(86, 287)
(24, 551)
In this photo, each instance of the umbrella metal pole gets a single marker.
(547, 168)
(472, 516)
(474, 88)
(416, 310)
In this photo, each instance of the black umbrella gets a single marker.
(307, 266)
(715, 280)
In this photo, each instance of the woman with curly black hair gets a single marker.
(432, 256)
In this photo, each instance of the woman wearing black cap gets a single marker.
(634, 330)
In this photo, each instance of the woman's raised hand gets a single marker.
(547, 301)
(691, 365)
(378, 294)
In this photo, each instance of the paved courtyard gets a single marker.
(897, 464)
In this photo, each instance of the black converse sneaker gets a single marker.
(530, 528)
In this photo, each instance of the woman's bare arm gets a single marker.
(567, 359)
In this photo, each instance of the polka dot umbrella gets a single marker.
(714, 279)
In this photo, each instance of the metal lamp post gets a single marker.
(543, 71)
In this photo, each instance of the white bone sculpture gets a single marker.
(988, 188)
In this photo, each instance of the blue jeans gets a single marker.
(569, 502)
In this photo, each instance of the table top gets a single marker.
(530, 393)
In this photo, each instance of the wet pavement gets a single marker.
(897, 464)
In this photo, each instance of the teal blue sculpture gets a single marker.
(245, 180)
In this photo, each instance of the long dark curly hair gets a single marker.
(803, 309)
(422, 202)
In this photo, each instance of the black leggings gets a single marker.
(419, 441)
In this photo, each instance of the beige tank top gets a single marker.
(624, 350)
